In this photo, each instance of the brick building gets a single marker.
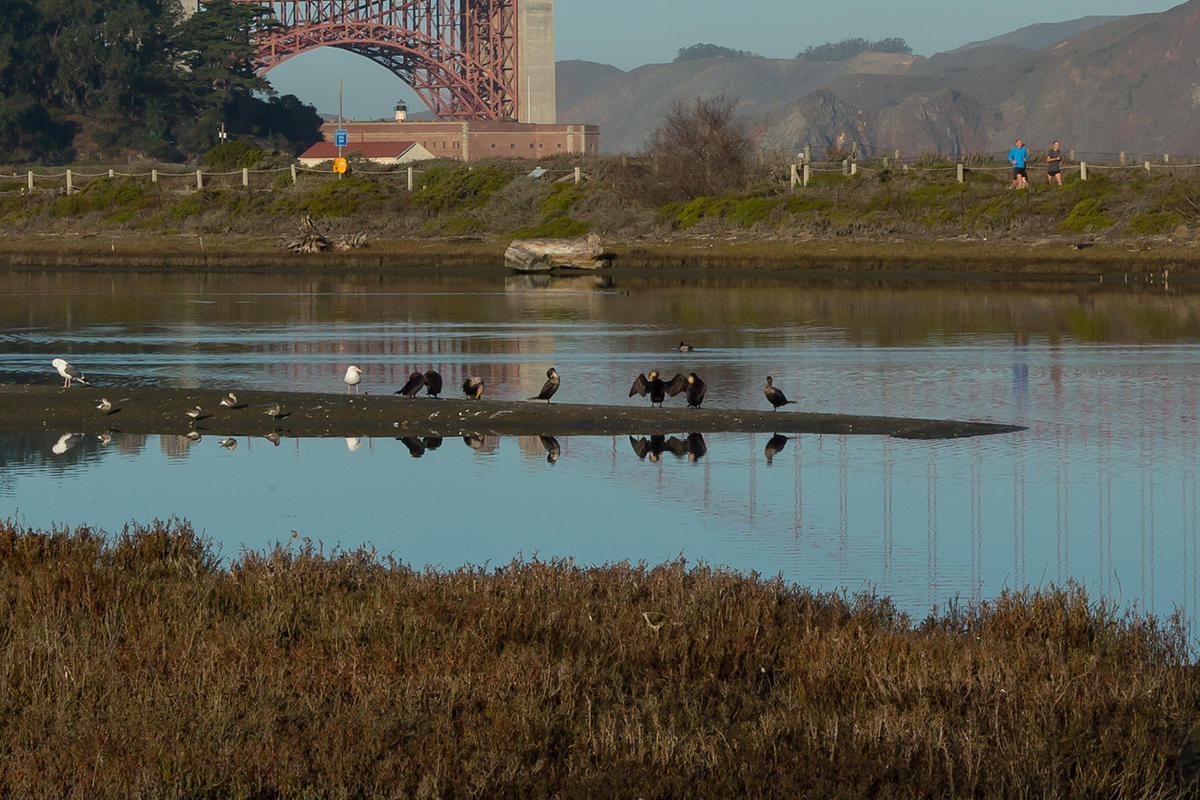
(474, 140)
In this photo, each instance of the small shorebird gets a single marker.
(104, 438)
(229, 400)
(68, 372)
(194, 413)
(274, 411)
(104, 406)
(229, 443)
(472, 387)
(352, 377)
(774, 396)
(549, 387)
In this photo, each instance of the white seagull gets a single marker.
(68, 372)
(352, 377)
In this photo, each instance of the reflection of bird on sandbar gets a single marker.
(229, 443)
(433, 383)
(774, 446)
(549, 387)
(553, 450)
(482, 443)
(472, 387)
(651, 447)
(416, 448)
(66, 442)
(775, 396)
(692, 447)
(656, 387)
(413, 385)
(68, 372)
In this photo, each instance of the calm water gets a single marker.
(1101, 488)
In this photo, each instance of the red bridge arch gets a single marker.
(459, 56)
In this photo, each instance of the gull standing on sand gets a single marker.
(352, 377)
(68, 372)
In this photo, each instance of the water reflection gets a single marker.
(692, 446)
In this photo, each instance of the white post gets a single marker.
(960, 172)
(199, 180)
(1122, 158)
(293, 174)
(578, 175)
(845, 166)
(1166, 158)
(1147, 166)
(154, 176)
(853, 167)
(410, 179)
(807, 153)
(1083, 170)
(112, 173)
(897, 154)
(70, 186)
(245, 176)
(795, 177)
(885, 162)
(29, 179)
(807, 173)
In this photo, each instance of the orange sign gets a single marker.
(339, 165)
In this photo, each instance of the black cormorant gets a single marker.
(549, 387)
(413, 385)
(775, 396)
(433, 383)
(695, 390)
(656, 387)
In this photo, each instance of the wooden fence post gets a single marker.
(885, 162)
(853, 167)
(112, 173)
(154, 176)
(199, 180)
(897, 155)
(845, 166)
(1083, 170)
(245, 176)
(1166, 158)
(70, 186)
(960, 172)
(29, 179)
(578, 175)
(293, 174)
(807, 174)
(807, 154)
(1147, 166)
(795, 177)
(1122, 158)
(410, 179)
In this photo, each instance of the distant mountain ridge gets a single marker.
(1098, 84)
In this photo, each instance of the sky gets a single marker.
(631, 33)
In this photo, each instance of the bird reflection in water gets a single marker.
(774, 446)
(482, 443)
(416, 448)
(553, 450)
(692, 447)
(66, 442)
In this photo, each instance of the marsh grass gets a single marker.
(141, 665)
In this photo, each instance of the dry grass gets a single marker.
(140, 666)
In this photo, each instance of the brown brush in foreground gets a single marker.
(140, 666)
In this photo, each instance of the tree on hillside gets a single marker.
(700, 148)
(849, 48)
(30, 127)
(699, 51)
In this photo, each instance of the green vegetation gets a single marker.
(1087, 215)
(848, 48)
(140, 665)
(115, 77)
(233, 155)
(699, 51)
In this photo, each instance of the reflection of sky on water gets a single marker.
(1102, 487)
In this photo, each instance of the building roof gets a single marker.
(325, 150)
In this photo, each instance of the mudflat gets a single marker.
(164, 411)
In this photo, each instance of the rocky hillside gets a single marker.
(1099, 84)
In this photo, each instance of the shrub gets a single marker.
(232, 155)
(1087, 215)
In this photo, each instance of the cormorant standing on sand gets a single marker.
(413, 385)
(472, 387)
(433, 383)
(549, 387)
(695, 390)
(657, 388)
(774, 396)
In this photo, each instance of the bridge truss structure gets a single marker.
(459, 56)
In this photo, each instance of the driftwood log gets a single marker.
(312, 241)
(543, 255)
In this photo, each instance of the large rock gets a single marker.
(543, 255)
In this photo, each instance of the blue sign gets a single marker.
(340, 138)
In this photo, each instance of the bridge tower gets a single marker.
(466, 59)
